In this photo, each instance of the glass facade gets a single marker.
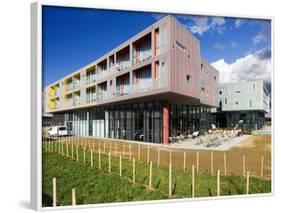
(136, 121)
(185, 119)
(242, 119)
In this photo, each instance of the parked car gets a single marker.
(58, 131)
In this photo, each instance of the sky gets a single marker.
(73, 37)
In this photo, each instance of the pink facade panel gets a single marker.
(209, 84)
(185, 57)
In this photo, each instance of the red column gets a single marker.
(166, 122)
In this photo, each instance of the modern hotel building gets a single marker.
(243, 105)
(151, 87)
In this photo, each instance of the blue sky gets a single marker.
(74, 37)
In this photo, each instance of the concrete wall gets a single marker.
(250, 95)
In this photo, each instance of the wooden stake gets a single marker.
(67, 153)
(184, 160)
(62, 151)
(262, 158)
(170, 180)
(120, 165)
(91, 158)
(84, 154)
(197, 162)
(248, 183)
(77, 154)
(138, 153)
(218, 182)
(109, 162)
(72, 154)
(170, 158)
(212, 163)
(224, 163)
(73, 197)
(130, 150)
(54, 192)
(158, 158)
(134, 171)
(150, 175)
(59, 147)
(56, 148)
(99, 159)
(110, 147)
(147, 161)
(193, 182)
(244, 165)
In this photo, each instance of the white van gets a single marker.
(58, 131)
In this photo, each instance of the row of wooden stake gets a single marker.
(150, 177)
(150, 182)
(60, 149)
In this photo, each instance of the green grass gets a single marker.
(98, 186)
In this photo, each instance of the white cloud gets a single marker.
(264, 34)
(219, 46)
(253, 66)
(202, 24)
(239, 22)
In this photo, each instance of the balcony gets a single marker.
(123, 85)
(91, 75)
(76, 98)
(91, 95)
(142, 49)
(102, 91)
(102, 69)
(51, 92)
(91, 78)
(56, 89)
(142, 80)
(123, 59)
(111, 64)
(76, 81)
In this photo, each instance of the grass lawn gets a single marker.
(98, 186)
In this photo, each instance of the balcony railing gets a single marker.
(123, 65)
(56, 92)
(125, 91)
(142, 86)
(76, 102)
(102, 96)
(141, 58)
(91, 98)
(90, 79)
